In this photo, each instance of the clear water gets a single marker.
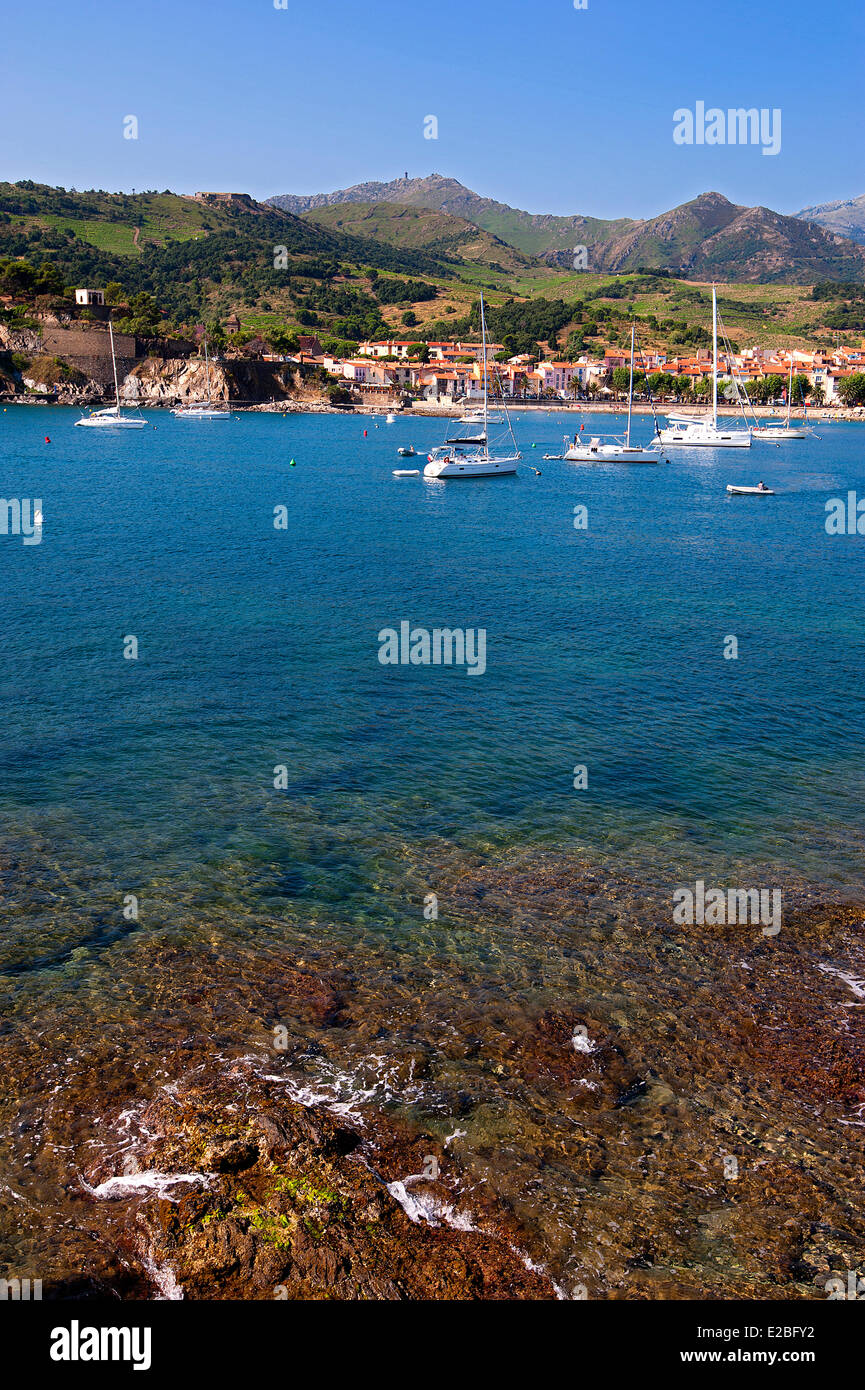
(258, 647)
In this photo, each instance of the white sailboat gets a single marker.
(111, 417)
(620, 450)
(467, 454)
(205, 410)
(785, 431)
(691, 431)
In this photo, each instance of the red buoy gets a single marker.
(47, 440)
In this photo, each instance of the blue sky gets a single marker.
(539, 105)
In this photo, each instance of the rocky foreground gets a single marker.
(277, 1200)
(620, 1108)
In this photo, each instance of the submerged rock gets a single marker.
(289, 1205)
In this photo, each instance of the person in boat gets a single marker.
(761, 485)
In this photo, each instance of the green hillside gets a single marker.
(202, 262)
(439, 234)
(356, 270)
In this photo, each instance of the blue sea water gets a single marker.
(258, 646)
(258, 649)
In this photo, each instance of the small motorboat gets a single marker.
(760, 491)
(406, 472)
(407, 452)
(391, 419)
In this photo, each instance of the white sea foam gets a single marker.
(163, 1277)
(343, 1092)
(129, 1184)
(852, 982)
(424, 1207)
(534, 1268)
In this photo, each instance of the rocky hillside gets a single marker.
(712, 238)
(843, 218)
(709, 237)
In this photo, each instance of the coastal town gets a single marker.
(454, 372)
(65, 357)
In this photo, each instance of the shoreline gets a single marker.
(824, 414)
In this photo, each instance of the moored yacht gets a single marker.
(774, 432)
(466, 453)
(618, 450)
(112, 417)
(694, 431)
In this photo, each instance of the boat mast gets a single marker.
(630, 390)
(790, 389)
(484, 341)
(714, 357)
(114, 365)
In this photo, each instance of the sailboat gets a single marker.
(620, 450)
(693, 431)
(111, 418)
(466, 454)
(785, 431)
(206, 410)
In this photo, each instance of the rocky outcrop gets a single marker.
(250, 1196)
(26, 340)
(157, 381)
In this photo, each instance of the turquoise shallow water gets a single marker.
(258, 647)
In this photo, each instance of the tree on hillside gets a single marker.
(16, 277)
(144, 317)
(852, 389)
(49, 280)
(283, 340)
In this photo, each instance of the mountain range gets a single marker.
(844, 218)
(709, 237)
